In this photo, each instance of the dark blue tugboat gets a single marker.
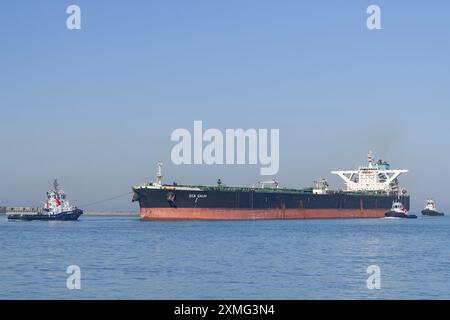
(399, 211)
(430, 209)
(57, 208)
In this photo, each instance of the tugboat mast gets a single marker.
(55, 185)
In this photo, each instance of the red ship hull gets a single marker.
(172, 214)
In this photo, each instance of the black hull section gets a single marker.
(259, 199)
(64, 216)
(432, 213)
(394, 214)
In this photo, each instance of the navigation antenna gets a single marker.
(370, 157)
(159, 174)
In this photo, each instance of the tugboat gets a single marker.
(57, 208)
(430, 209)
(399, 211)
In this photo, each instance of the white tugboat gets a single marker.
(430, 209)
(57, 207)
(399, 211)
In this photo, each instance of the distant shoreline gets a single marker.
(112, 213)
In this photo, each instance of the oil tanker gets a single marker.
(370, 192)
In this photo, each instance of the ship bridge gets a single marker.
(376, 177)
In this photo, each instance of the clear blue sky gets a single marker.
(96, 107)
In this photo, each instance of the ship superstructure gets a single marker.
(431, 205)
(378, 177)
(57, 201)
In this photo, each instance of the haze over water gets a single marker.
(125, 258)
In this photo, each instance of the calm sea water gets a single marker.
(125, 258)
